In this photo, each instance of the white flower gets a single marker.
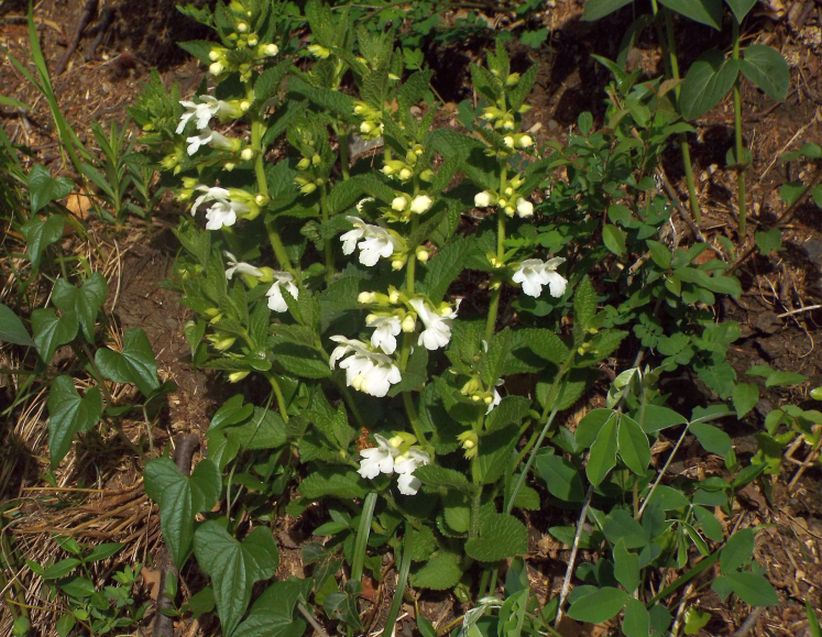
(524, 208)
(496, 400)
(437, 332)
(483, 199)
(211, 138)
(525, 141)
(405, 465)
(386, 329)
(276, 300)
(377, 460)
(220, 215)
(420, 204)
(367, 371)
(374, 241)
(269, 50)
(214, 193)
(535, 273)
(224, 210)
(241, 267)
(201, 112)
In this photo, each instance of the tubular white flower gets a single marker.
(405, 465)
(496, 400)
(377, 460)
(241, 267)
(213, 193)
(420, 204)
(533, 274)
(211, 138)
(386, 330)
(367, 371)
(221, 215)
(201, 112)
(524, 208)
(374, 242)
(437, 332)
(276, 300)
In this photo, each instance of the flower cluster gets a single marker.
(395, 455)
(403, 170)
(278, 280)
(373, 242)
(371, 126)
(509, 200)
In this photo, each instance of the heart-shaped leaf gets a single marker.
(740, 8)
(767, 69)
(41, 232)
(234, 567)
(135, 364)
(43, 188)
(596, 9)
(707, 12)
(84, 302)
(69, 414)
(708, 80)
(12, 329)
(51, 331)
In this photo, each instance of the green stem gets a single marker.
(493, 306)
(327, 247)
(740, 167)
(524, 473)
(278, 394)
(345, 155)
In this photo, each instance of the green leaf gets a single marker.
(636, 622)
(626, 567)
(43, 188)
(500, 536)
(745, 397)
(234, 567)
(751, 588)
(272, 613)
(84, 302)
(707, 12)
(790, 193)
(633, 445)
(621, 526)
(598, 606)
(740, 8)
(180, 498)
(769, 241)
(596, 9)
(446, 266)
(712, 439)
(267, 82)
(585, 304)
(561, 478)
(535, 38)
(603, 452)
(334, 482)
(40, 233)
(440, 573)
(656, 418)
(69, 414)
(767, 70)
(614, 239)
(135, 364)
(590, 425)
(12, 329)
(441, 478)
(737, 552)
(708, 80)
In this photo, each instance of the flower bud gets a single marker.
(242, 27)
(405, 174)
(304, 163)
(409, 324)
(229, 166)
(367, 127)
(236, 377)
(260, 199)
(316, 160)
(524, 208)
(399, 203)
(387, 170)
(508, 140)
(398, 263)
(222, 344)
(393, 295)
(269, 50)
(366, 297)
(483, 199)
(247, 154)
(245, 105)
(422, 254)
(214, 55)
(525, 141)
(427, 175)
(395, 441)
(308, 188)
(512, 80)
(253, 40)
(509, 210)
(319, 51)
(420, 204)
(216, 68)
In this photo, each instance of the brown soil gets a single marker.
(779, 310)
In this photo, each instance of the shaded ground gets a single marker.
(778, 326)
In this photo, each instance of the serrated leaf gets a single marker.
(707, 12)
(597, 9)
(708, 80)
(767, 70)
(70, 414)
(84, 302)
(598, 606)
(234, 567)
(135, 364)
(442, 478)
(267, 82)
(440, 573)
(446, 266)
(740, 8)
(334, 482)
(500, 536)
(12, 329)
(585, 304)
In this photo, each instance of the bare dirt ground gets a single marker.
(779, 311)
